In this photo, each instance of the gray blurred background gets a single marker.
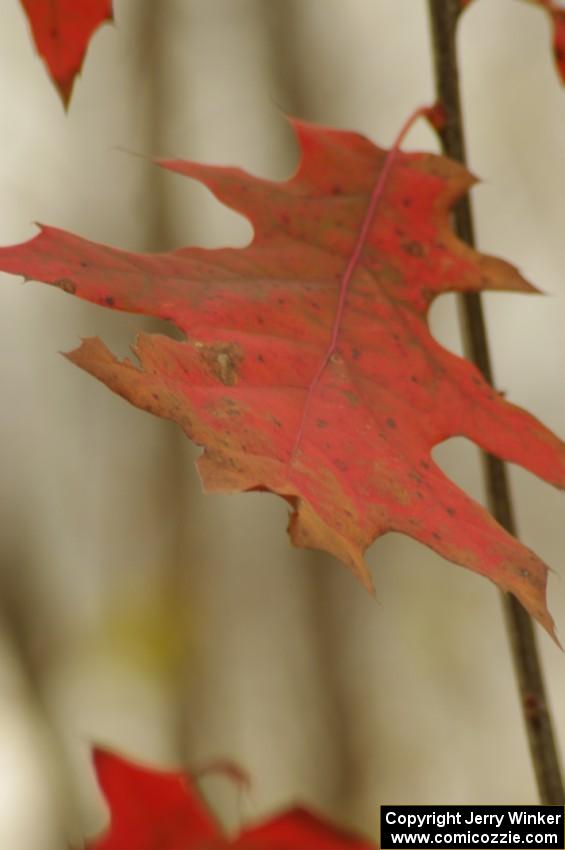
(177, 628)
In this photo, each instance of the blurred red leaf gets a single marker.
(62, 30)
(154, 810)
(308, 368)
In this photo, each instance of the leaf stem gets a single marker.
(444, 15)
(375, 197)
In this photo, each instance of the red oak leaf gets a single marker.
(62, 30)
(154, 810)
(308, 368)
(557, 16)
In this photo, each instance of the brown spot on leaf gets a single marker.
(66, 285)
(413, 248)
(351, 397)
(223, 360)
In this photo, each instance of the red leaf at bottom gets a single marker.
(154, 810)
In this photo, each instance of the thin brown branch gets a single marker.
(444, 15)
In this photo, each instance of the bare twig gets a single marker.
(443, 17)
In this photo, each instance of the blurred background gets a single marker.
(175, 628)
